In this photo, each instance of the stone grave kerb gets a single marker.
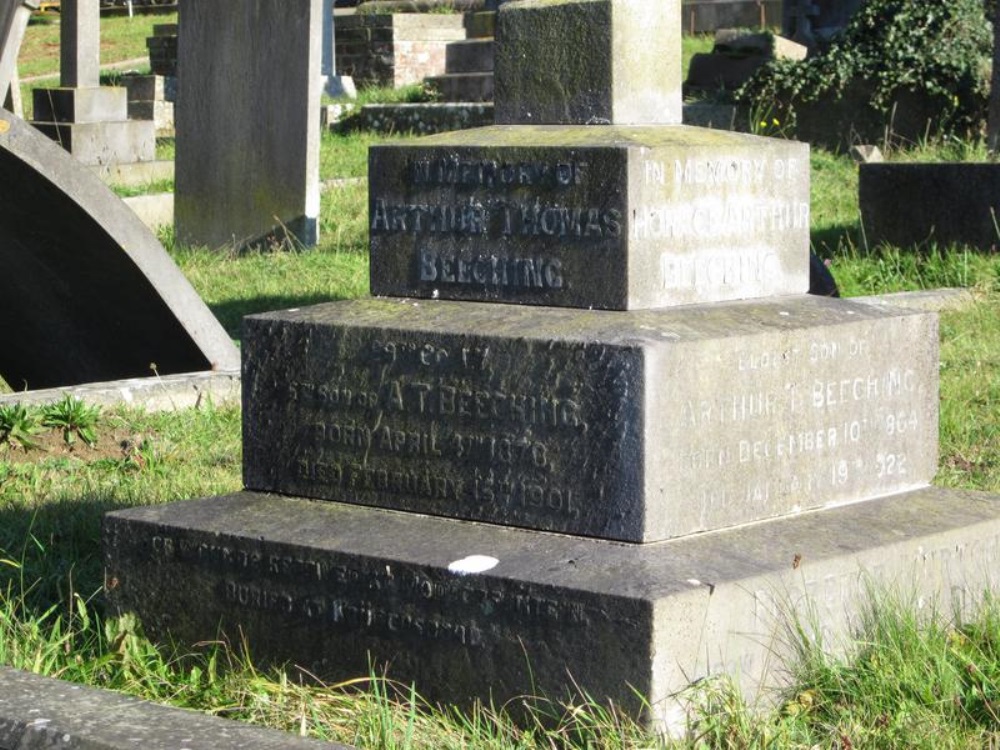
(588, 62)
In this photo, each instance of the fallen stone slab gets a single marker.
(89, 293)
(39, 712)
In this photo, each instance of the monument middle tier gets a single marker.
(638, 426)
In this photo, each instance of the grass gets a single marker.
(122, 38)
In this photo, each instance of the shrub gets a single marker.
(894, 49)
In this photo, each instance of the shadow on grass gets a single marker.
(231, 313)
(837, 240)
(52, 551)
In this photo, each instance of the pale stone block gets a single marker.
(588, 62)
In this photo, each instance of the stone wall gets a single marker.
(395, 50)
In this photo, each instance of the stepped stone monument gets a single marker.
(499, 499)
(87, 119)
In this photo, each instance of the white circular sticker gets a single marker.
(473, 564)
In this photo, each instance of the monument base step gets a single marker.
(138, 173)
(468, 610)
(81, 105)
(104, 143)
(463, 87)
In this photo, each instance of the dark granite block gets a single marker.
(617, 218)
(467, 610)
(639, 426)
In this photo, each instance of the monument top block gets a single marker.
(588, 62)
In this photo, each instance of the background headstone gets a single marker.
(333, 84)
(79, 43)
(247, 117)
(14, 15)
(87, 119)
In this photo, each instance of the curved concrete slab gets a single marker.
(87, 293)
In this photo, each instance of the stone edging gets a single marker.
(40, 712)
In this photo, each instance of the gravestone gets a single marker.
(247, 116)
(87, 119)
(89, 293)
(14, 15)
(449, 435)
(967, 217)
(333, 84)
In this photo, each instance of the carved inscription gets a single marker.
(720, 209)
(811, 431)
(447, 426)
(385, 600)
(491, 203)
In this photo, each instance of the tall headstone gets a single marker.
(452, 436)
(14, 15)
(247, 117)
(87, 119)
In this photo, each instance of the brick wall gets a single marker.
(395, 50)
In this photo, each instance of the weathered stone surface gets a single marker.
(641, 427)
(40, 713)
(104, 143)
(92, 104)
(248, 122)
(969, 216)
(151, 88)
(605, 217)
(580, 62)
(90, 293)
(80, 43)
(328, 586)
